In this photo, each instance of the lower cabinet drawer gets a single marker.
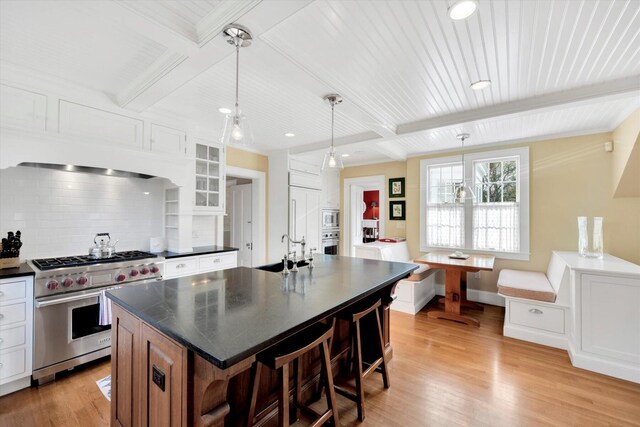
(218, 261)
(13, 363)
(13, 313)
(180, 267)
(13, 337)
(537, 316)
(13, 290)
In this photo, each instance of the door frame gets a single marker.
(258, 211)
(374, 182)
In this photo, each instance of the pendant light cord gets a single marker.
(238, 42)
(333, 106)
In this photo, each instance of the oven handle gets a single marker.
(46, 303)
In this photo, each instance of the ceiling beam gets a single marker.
(337, 142)
(168, 76)
(578, 96)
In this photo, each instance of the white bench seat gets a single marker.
(532, 285)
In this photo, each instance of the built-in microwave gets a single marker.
(330, 218)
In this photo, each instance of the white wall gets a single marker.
(205, 230)
(60, 212)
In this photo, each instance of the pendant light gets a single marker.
(463, 192)
(331, 159)
(236, 127)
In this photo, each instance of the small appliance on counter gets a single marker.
(10, 251)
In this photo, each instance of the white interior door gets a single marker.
(357, 211)
(241, 223)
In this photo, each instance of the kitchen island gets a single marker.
(182, 348)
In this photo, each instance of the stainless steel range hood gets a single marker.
(87, 169)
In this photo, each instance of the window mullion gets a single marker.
(467, 168)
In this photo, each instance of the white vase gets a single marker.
(596, 248)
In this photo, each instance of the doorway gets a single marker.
(364, 201)
(244, 224)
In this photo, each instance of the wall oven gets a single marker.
(330, 242)
(330, 218)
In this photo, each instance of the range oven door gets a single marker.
(330, 246)
(67, 326)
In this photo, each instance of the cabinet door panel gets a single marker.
(610, 318)
(81, 120)
(22, 108)
(125, 338)
(168, 140)
(162, 380)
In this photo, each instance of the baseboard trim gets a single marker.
(537, 337)
(15, 385)
(485, 297)
(609, 367)
(413, 309)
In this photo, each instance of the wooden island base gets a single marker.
(157, 381)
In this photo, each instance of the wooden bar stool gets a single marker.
(354, 316)
(278, 358)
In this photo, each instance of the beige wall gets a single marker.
(389, 170)
(626, 157)
(569, 177)
(250, 160)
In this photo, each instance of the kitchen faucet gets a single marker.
(289, 241)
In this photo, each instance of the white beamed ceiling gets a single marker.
(558, 67)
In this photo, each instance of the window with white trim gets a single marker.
(494, 219)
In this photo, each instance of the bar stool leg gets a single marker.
(383, 367)
(358, 363)
(297, 383)
(331, 394)
(256, 369)
(283, 399)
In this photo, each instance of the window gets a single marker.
(494, 219)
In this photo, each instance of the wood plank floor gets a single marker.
(443, 373)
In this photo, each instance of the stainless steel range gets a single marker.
(67, 329)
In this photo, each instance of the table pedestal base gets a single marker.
(452, 316)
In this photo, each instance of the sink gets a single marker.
(278, 267)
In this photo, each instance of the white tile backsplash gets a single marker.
(59, 213)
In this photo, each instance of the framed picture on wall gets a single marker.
(396, 187)
(397, 210)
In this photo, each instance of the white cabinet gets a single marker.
(167, 140)
(189, 265)
(81, 120)
(304, 216)
(16, 333)
(611, 317)
(330, 197)
(209, 177)
(22, 108)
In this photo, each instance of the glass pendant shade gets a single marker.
(237, 130)
(332, 160)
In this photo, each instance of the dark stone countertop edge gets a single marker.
(202, 250)
(23, 270)
(224, 364)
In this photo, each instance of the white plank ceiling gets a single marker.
(558, 67)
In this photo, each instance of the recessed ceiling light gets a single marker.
(480, 84)
(345, 155)
(289, 134)
(462, 9)
(146, 193)
(224, 110)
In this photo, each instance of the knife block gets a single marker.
(9, 263)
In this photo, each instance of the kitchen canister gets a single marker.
(594, 247)
(157, 244)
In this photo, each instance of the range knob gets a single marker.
(120, 277)
(82, 280)
(133, 272)
(154, 269)
(144, 270)
(67, 282)
(53, 284)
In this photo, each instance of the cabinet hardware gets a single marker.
(1, 340)
(181, 265)
(535, 311)
(216, 260)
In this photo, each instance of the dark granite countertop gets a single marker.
(23, 270)
(226, 316)
(201, 250)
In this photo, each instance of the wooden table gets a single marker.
(456, 283)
